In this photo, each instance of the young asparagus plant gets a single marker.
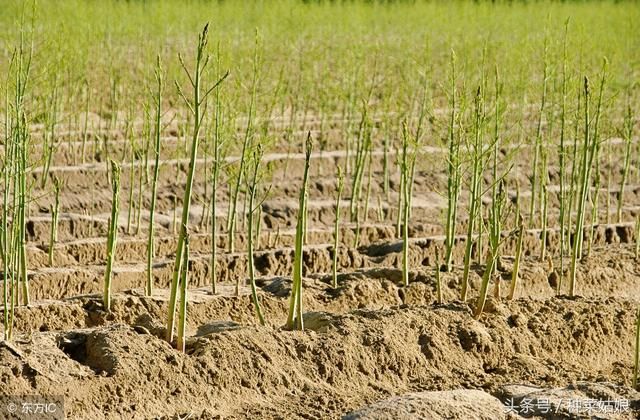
(587, 158)
(585, 169)
(475, 195)
(496, 211)
(359, 163)
(627, 135)
(252, 185)
(544, 197)
(85, 127)
(401, 187)
(538, 139)
(184, 284)
(495, 240)
(5, 237)
(407, 165)
(294, 320)
(195, 107)
(453, 172)
(336, 228)
(519, 243)
(367, 197)
(595, 201)
(218, 159)
(143, 177)
(363, 151)
(112, 235)
(385, 158)
(55, 208)
(562, 157)
(498, 194)
(157, 98)
(132, 169)
(21, 139)
(575, 170)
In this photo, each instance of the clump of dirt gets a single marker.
(459, 404)
(581, 400)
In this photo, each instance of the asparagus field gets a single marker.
(320, 209)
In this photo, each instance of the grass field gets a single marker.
(288, 209)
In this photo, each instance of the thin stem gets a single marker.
(112, 236)
(295, 320)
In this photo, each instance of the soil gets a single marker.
(372, 348)
(118, 365)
